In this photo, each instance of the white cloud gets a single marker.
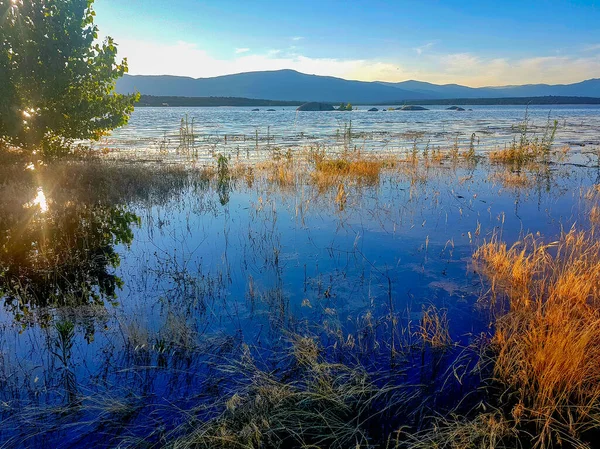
(297, 38)
(184, 58)
(592, 47)
(477, 71)
(241, 50)
(423, 48)
(187, 59)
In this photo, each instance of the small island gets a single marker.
(408, 107)
(315, 106)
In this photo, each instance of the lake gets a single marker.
(240, 131)
(142, 298)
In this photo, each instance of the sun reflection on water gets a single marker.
(39, 200)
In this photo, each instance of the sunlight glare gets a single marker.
(39, 200)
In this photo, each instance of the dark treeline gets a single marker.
(151, 100)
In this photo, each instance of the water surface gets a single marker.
(127, 287)
(242, 132)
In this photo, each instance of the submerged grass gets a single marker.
(312, 403)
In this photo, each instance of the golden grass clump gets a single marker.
(548, 342)
(360, 168)
(433, 328)
(355, 165)
(514, 155)
(281, 173)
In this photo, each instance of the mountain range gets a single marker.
(290, 85)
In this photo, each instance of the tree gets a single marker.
(57, 82)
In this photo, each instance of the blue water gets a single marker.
(240, 131)
(207, 271)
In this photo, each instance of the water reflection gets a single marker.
(61, 226)
(66, 259)
(60, 229)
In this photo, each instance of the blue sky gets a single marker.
(468, 42)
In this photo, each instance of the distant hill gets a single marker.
(588, 88)
(546, 100)
(279, 85)
(437, 91)
(289, 85)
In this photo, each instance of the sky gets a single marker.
(475, 43)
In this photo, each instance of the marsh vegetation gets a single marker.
(434, 297)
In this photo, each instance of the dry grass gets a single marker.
(595, 215)
(528, 153)
(516, 155)
(529, 148)
(593, 196)
(488, 430)
(548, 342)
(282, 175)
(433, 328)
(341, 198)
(328, 170)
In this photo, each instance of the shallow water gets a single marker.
(158, 281)
(241, 132)
(164, 277)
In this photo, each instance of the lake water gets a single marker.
(241, 132)
(128, 287)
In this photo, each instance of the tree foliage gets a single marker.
(57, 82)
